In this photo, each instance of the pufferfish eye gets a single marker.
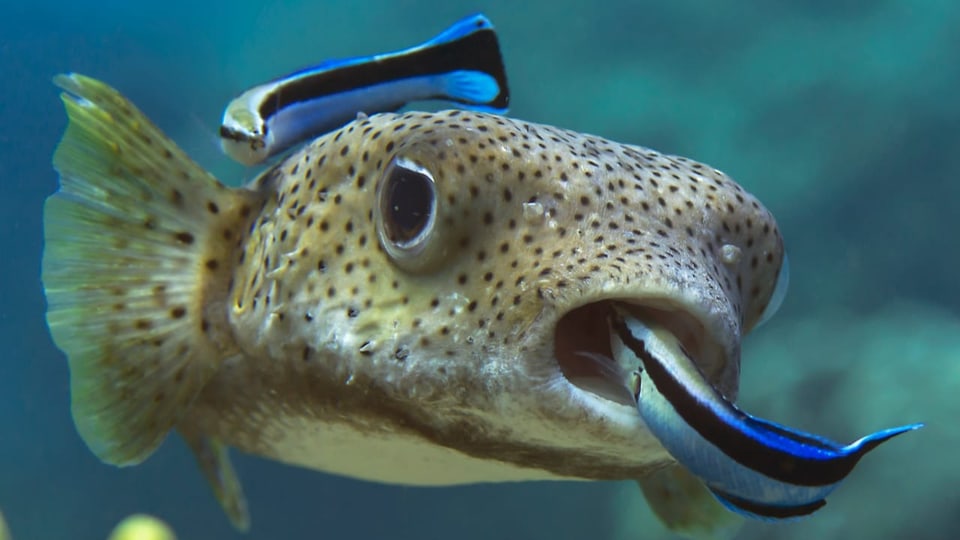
(407, 208)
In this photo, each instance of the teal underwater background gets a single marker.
(842, 117)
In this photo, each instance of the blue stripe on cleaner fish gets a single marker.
(462, 65)
(756, 468)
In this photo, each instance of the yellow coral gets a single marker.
(4, 531)
(141, 527)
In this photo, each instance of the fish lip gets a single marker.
(582, 346)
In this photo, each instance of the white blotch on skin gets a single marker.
(730, 254)
(533, 212)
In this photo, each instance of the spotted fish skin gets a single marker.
(273, 319)
(534, 222)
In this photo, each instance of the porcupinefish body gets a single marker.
(417, 299)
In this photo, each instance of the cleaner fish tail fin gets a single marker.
(474, 89)
(136, 265)
(468, 56)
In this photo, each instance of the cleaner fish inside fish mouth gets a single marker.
(583, 351)
(754, 467)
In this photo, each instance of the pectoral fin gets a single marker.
(685, 505)
(214, 460)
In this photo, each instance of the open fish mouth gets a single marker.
(583, 352)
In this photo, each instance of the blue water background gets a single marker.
(843, 117)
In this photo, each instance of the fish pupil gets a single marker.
(409, 204)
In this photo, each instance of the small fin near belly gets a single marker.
(685, 505)
(214, 460)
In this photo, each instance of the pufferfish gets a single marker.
(421, 298)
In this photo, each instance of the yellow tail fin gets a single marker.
(139, 251)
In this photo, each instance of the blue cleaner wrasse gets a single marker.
(754, 467)
(462, 65)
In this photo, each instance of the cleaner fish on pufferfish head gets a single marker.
(462, 65)
(422, 299)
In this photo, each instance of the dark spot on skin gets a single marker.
(184, 237)
(178, 312)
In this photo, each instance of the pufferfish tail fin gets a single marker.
(687, 507)
(139, 242)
